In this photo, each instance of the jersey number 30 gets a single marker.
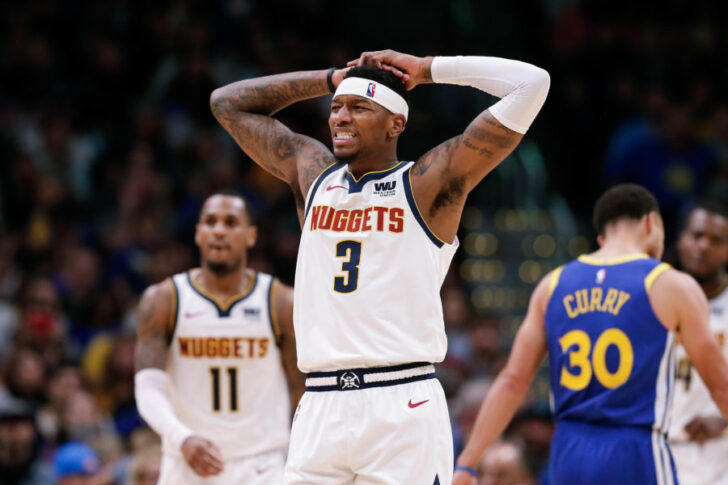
(351, 250)
(579, 358)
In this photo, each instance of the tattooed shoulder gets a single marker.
(312, 164)
(443, 151)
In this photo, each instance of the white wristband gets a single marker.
(522, 87)
(150, 390)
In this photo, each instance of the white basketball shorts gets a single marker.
(384, 426)
(701, 464)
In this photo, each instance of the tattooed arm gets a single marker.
(245, 109)
(154, 313)
(287, 339)
(444, 176)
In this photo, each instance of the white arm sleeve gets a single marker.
(150, 390)
(522, 87)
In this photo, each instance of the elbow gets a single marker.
(217, 101)
(541, 81)
(514, 382)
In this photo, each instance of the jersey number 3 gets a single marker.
(351, 250)
(579, 358)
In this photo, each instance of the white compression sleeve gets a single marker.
(522, 87)
(150, 390)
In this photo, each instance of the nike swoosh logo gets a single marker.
(414, 405)
(332, 187)
(193, 314)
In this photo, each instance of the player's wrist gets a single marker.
(468, 469)
(467, 460)
(425, 76)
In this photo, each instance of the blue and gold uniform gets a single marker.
(611, 374)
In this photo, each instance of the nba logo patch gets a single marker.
(601, 274)
(370, 89)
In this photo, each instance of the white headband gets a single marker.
(377, 92)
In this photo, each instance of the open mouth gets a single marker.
(343, 137)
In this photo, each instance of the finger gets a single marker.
(398, 72)
(214, 451)
(205, 468)
(213, 462)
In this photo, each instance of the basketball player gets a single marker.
(697, 434)
(378, 237)
(608, 322)
(214, 350)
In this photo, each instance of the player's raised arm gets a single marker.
(245, 109)
(510, 387)
(681, 305)
(151, 381)
(444, 176)
(284, 318)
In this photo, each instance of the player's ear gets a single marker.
(650, 222)
(396, 127)
(197, 234)
(251, 236)
(600, 240)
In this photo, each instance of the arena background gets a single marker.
(108, 148)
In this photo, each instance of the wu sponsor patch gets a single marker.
(385, 189)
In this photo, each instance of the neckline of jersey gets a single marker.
(375, 172)
(223, 306)
(612, 261)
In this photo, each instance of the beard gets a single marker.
(346, 159)
(222, 268)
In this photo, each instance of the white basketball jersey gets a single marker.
(368, 275)
(228, 383)
(692, 397)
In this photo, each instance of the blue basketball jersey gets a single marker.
(610, 358)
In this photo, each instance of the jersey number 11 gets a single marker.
(233, 377)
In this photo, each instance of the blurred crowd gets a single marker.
(108, 148)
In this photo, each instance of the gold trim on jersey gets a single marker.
(223, 305)
(652, 276)
(555, 275)
(414, 199)
(375, 171)
(273, 312)
(613, 261)
(172, 324)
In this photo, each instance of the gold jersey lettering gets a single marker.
(590, 300)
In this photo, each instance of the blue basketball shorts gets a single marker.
(597, 454)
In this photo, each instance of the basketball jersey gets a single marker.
(692, 397)
(610, 357)
(227, 380)
(368, 275)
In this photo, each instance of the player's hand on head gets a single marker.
(411, 70)
(202, 456)
(339, 76)
(463, 478)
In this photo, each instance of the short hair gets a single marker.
(714, 206)
(236, 194)
(374, 73)
(624, 201)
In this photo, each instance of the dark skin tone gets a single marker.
(441, 178)
(224, 235)
(703, 252)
